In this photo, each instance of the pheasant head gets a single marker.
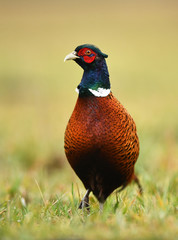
(95, 80)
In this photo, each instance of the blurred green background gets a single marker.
(37, 88)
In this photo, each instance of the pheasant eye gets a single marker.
(87, 55)
(88, 52)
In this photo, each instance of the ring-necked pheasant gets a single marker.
(101, 143)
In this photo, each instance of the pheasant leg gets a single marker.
(85, 201)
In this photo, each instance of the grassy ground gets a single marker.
(39, 193)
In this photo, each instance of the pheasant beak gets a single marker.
(71, 56)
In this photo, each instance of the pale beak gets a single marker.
(71, 56)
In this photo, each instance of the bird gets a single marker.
(100, 141)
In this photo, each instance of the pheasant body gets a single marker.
(101, 143)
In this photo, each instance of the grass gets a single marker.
(55, 216)
(39, 193)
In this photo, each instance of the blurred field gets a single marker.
(37, 97)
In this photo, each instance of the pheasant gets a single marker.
(101, 142)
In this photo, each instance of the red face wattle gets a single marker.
(87, 54)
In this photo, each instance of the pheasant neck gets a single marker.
(95, 81)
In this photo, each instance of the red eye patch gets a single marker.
(87, 54)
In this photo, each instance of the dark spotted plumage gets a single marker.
(101, 143)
